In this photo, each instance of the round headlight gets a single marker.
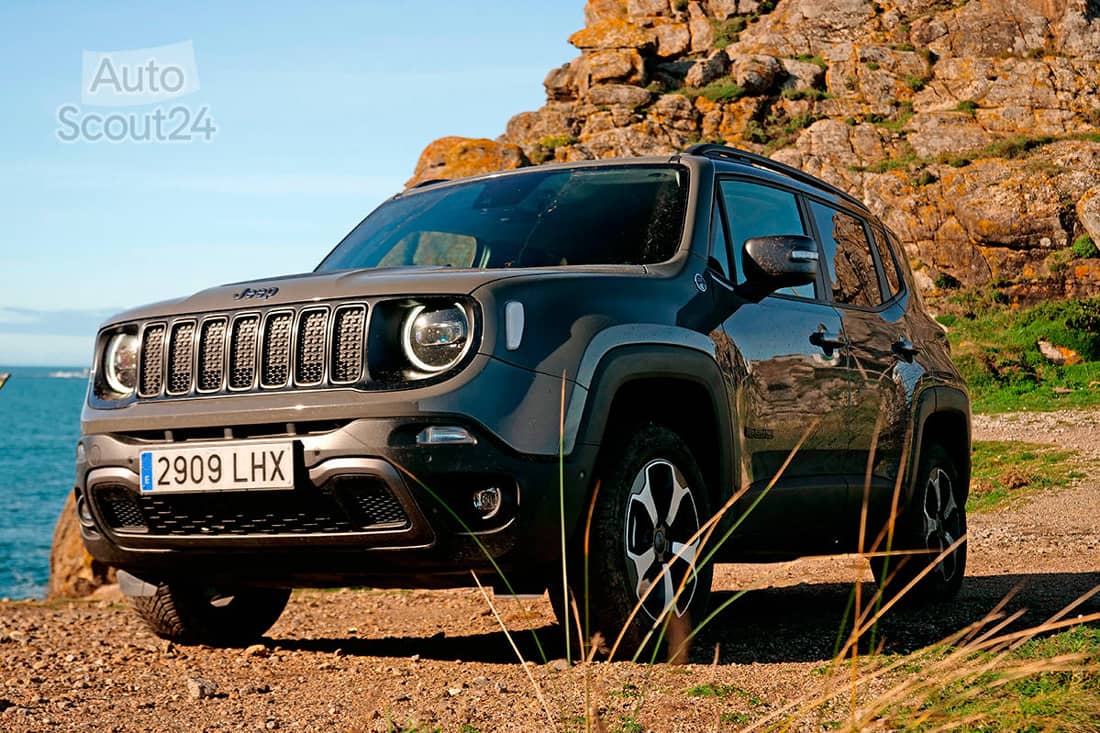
(120, 363)
(435, 339)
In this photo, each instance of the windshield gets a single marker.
(623, 215)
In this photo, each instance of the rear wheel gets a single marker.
(191, 614)
(642, 550)
(934, 521)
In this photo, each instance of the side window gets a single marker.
(719, 245)
(755, 210)
(889, 263)
(852, 273)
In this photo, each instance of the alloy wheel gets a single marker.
(661, 518)
(942, 521)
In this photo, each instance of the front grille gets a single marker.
(309, 368)
(242, 352)
(212, 354)
(347, 348)
(276, 350)
(180, 360)
(313, 346)
(350, 504)
(152, 361)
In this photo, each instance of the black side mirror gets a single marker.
(772, 263)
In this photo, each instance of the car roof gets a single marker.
(724, 159)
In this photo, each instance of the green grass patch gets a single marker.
(815, 95)
(812, 59)
(1005, 470)
(996, 350)
(719, 90)
(552, 142)
(969, 106)
(727, 32)
(1058, 696)
(1084, 247)
(723, 692)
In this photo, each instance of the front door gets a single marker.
(793, 394)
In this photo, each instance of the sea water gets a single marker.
(39, 427)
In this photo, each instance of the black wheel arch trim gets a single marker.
(629, 363)
(934, 401)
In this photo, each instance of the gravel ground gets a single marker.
(379, 660)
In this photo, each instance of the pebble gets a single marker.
(256, 650)
(199, 689)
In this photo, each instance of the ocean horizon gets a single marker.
(39, 426)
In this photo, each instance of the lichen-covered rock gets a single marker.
(675, 111)
(613, 33)
(561, 83)
(971, 128)
(1088, 211)
(704, 71)
(802, 75)
(673, 39)
(73, 572)
(552, 121)
(641, 9)
(455, 157)
(755, 74)
(618, 94)
(623, 66)
(946, 133)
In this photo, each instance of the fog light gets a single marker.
(487, 502)
(443, 435)
(81, 455)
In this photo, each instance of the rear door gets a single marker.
(865, 287)
(793, 384)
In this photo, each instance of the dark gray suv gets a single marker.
(687, 360)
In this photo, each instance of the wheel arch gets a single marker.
(943, 417)
(680, 388)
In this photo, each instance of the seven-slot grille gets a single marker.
(308, 347)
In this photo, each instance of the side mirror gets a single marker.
(772, 263)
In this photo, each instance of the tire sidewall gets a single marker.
(932, 587)
(610, 593)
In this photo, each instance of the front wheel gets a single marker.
(191, 614)
(934, 522)
(643, 551)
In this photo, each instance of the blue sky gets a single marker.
(321, 111)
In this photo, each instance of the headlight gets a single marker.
(120, 363)
(435, 339)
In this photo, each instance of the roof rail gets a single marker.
(713, 150)
(430, 182)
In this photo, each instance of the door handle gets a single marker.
(904, 348)
(826, 341)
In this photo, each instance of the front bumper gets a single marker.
(369, 507)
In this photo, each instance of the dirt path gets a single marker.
(363, 660)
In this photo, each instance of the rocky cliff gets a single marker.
(971, 128)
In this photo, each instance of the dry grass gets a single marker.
(988, 676)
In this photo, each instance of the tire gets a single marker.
(934, 519)
(196, 615)
(650, 472)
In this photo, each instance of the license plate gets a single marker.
(223, 468)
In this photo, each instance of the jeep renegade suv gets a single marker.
(485, 371)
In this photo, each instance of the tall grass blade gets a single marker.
(519, 655)
(484, 550)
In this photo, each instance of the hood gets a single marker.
(399, 281)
